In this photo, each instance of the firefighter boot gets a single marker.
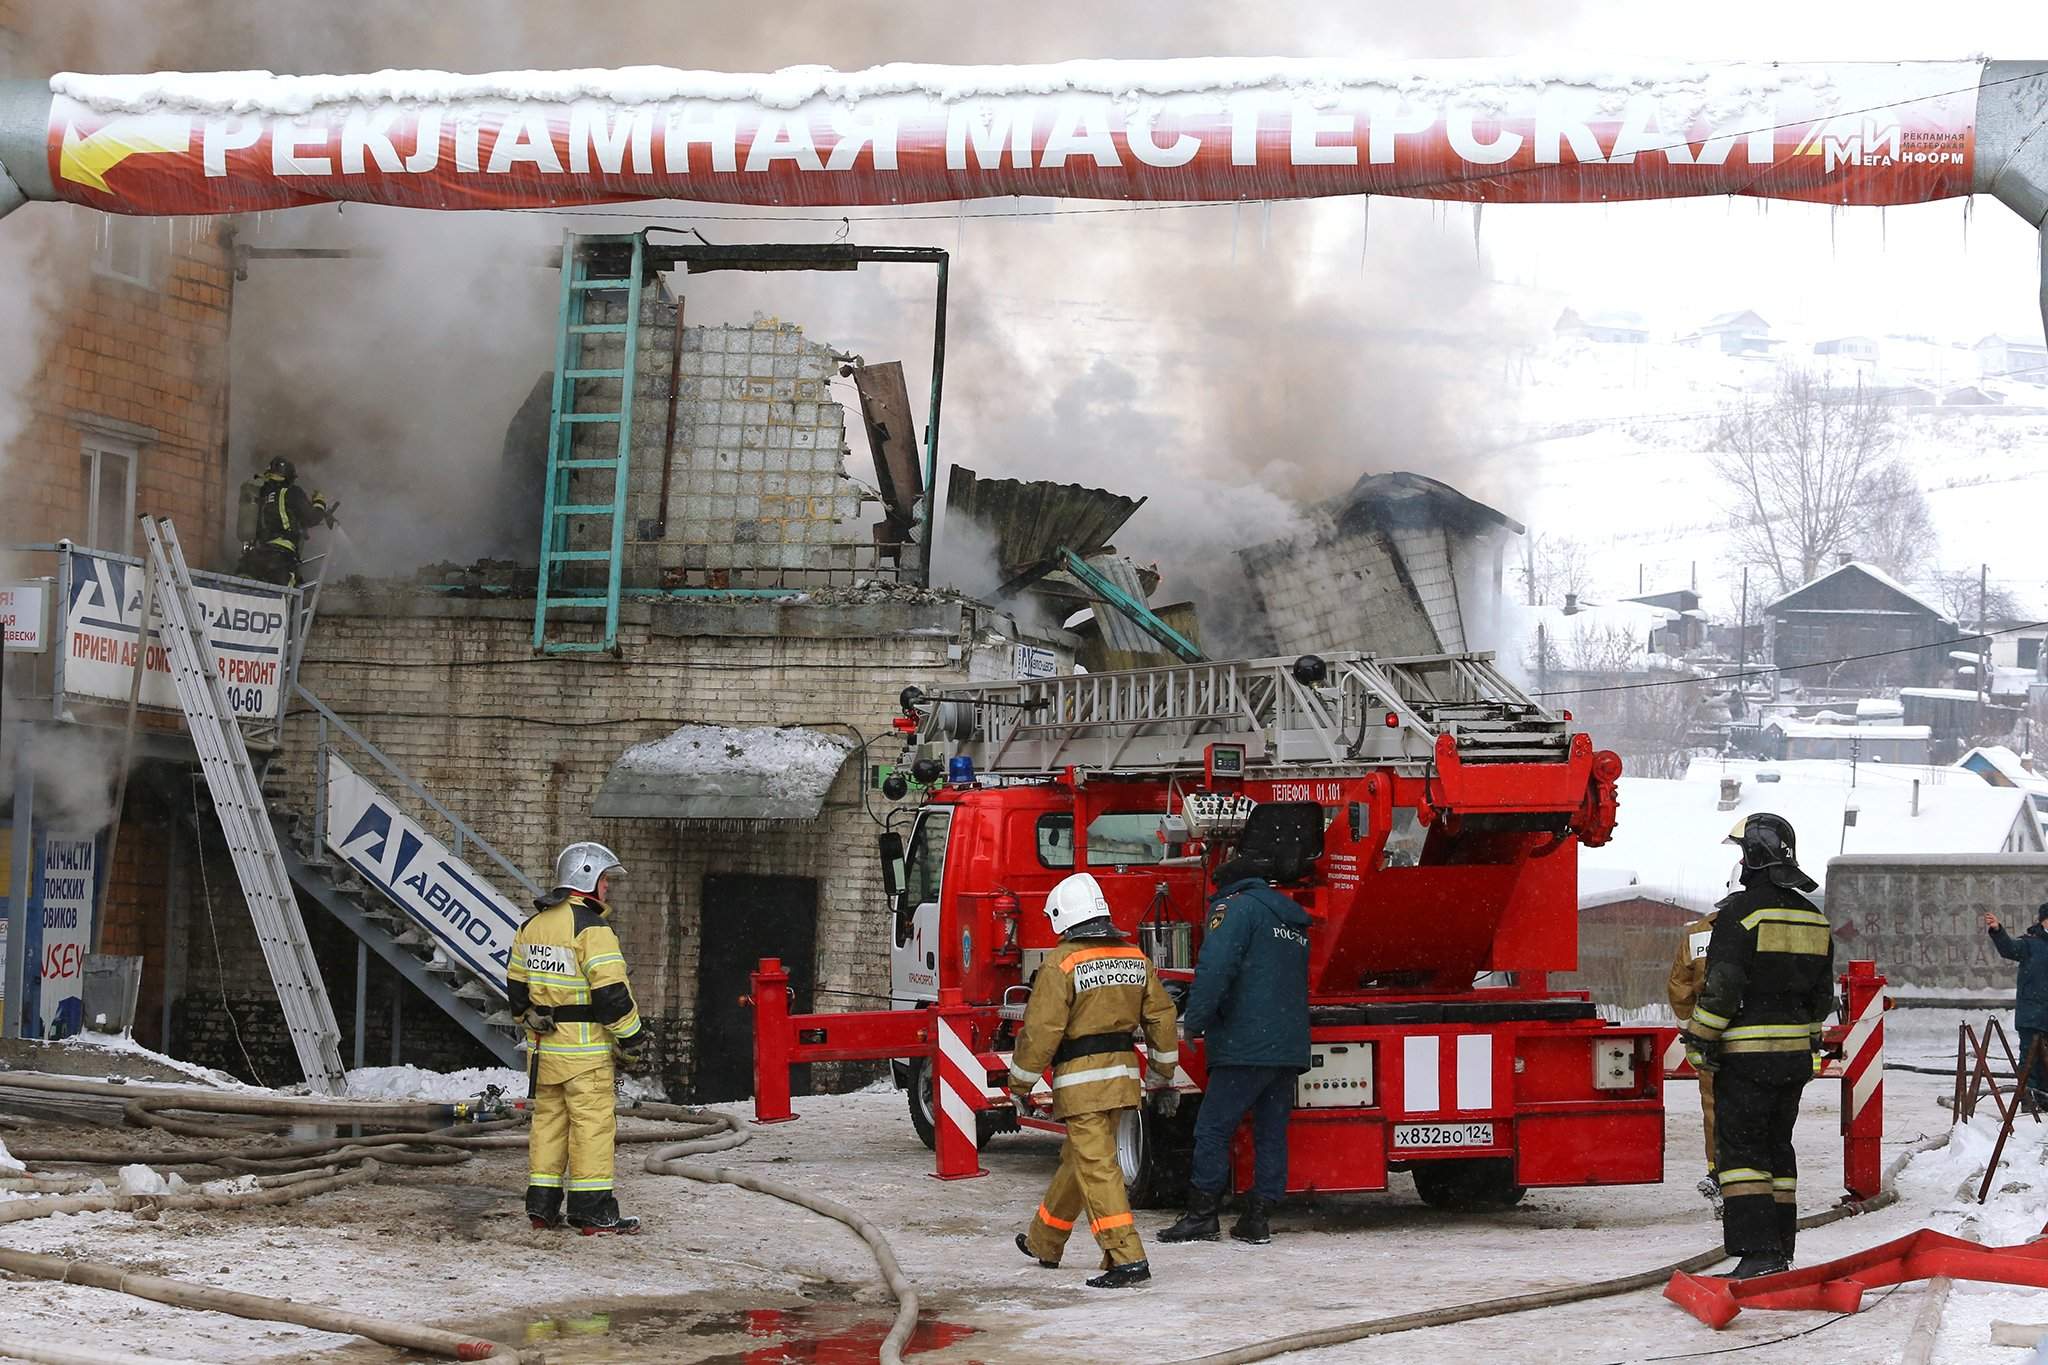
(544, 1207)
(1252, 1227)
(1759, 1263)
(591, 1213)
(1125, 1276)
(1024, 1245)
(1198, 1224)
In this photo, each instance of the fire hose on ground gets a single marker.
(285, 1171)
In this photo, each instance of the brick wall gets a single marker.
(519, 745)
(137, 364)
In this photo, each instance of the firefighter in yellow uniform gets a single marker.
(567, 984)
(1091, 994)
(1688, 976)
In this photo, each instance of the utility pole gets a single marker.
(1983, 646)
(1742, 644)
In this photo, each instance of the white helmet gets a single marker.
(1074, 901)
(581, 865)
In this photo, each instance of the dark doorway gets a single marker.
(745, 919)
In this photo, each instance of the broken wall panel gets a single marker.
(757, 490)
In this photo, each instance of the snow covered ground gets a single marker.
(715, 1266)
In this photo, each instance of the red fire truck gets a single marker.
(1452, 808)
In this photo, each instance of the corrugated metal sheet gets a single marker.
(1032, 520)
(1426, 555)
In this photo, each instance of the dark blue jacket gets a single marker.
(2030, 950)
(1250, 1000)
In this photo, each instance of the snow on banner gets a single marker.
(1196, 129)
(472, 923)
(246, 629)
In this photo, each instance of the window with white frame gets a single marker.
(109, 469)
(130, 248)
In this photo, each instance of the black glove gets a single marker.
(537, 1018)
(1703, 1053)
(1165, 1102)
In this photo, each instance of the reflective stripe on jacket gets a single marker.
(568, 955)
(1770, 973)
(1087, 987)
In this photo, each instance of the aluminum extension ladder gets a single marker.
(586, 489)
(238, 800)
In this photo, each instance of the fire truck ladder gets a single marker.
(583, 524)
(1364, 711)
(244, 820)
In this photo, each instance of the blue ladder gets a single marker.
(570, 500)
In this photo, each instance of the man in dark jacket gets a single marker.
(1757, 1025)
(2030, 999)
(1250, 1004)
(284, 515)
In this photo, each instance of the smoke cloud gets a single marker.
(1227, 362)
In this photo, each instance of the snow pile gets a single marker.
(401, 1083)
(125, 1043)
(438, 1087)
(8, 1163)
(787, 762)
(1947, 1179)
(141, 1179)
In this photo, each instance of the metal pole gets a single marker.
(362, 995)
(397, 1010)
(18, 885)
(931, 423)
(128, 736)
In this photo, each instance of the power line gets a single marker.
(1972, 638)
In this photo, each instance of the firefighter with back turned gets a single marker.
(1757, 1028)
(1091, 994)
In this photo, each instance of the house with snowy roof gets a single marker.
(2020, 356)
(1857, 626)
(1740, 333)
(2001, 767)
(1609, 326)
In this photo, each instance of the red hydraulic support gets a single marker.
(959, 1088)
(771, 1042)
(1863, 1080)
(1839, 1286)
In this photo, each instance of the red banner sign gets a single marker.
(1871, 133)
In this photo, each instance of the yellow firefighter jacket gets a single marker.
(1689, 966)
(566, 961)
(1089, 997)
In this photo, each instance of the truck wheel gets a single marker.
(1473, 1183)
(988, 1122)
(1156, 1155)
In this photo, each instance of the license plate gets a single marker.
(1443, 1135)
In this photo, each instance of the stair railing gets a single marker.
(462, 837)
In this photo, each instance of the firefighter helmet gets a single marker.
(1074, 902)
(580, 866)
(282, 468)
(1770, 847)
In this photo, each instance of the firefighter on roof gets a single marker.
(1090, 995)
(1757, 1024)
(567, 983)
(274, 518)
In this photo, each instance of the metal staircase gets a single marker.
(408, 944)
(1349, 709)
(400, 944)
(244, 818)
(583, 523)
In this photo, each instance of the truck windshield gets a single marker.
(1119, 838)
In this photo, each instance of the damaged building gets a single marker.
(1399, 564)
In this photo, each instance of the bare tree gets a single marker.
(1550, 567)
(1956, 593)
(1810, 474)
(1898, 536)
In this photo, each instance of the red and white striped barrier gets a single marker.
(1863, 1080)
(959, 1089)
